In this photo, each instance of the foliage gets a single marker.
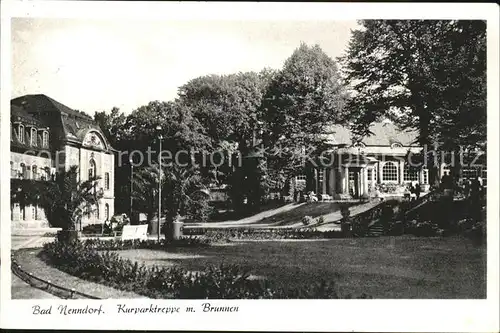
(97, 229)
(307, 220)
(223, 282)
(65, 200)
(426, 75)
(112, 125)
(231, 234)
(118, 244)
(302, 100)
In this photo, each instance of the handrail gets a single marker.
(50, 287)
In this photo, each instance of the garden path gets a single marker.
(251, 219)
(22, 290)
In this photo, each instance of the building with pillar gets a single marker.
(47, 137)
(375, 165)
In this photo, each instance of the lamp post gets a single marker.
(160, 137)
(131, 185)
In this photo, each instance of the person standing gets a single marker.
(418, 190)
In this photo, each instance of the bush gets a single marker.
(97, 229)
(320, 220)
(227, 234)
(117, 244)
(82, 259)
(307, 220)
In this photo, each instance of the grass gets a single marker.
(30, 261)
(22, 290)
(385, 267)
(222, 215)
(313, 209)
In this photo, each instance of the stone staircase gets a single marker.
(375, 230)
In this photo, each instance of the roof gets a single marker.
(384, 133)
(20, 114)
(39, 103)
(75, 124)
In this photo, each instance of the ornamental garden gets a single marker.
(289, 183)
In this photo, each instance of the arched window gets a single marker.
(106, 211)
(34, 170)
(92, 169)
(390, 172)
(21, 133)
(106, 180)
(45, 139)
(33, 137)
(24, 171)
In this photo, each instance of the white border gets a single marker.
(278, 315)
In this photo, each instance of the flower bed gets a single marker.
(228, 234)
(82, 259)
(116, 244)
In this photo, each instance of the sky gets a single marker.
(93, 65)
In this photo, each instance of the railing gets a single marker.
(46, 285)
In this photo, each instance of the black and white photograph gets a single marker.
(247, 159)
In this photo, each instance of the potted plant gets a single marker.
(69, 200)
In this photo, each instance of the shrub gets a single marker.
(228, 234)
(82, 259)
(118, 244)
(306, 220)
(320, 220)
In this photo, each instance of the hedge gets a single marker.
(87, 261)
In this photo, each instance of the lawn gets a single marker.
(313, 209)
(385, 267)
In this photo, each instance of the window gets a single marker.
(34, 170)
(24, 171)
(409, 174)
(23, 213)
(446, 169)
(372, 173)
(106, 180)
(469, 172)
(106, 211)
(390, 172)
(33, 213)
(33, 137)
(21, 133)
(426, 176)
(300, 178)
(484, 175)
(97, 211)
(13, 171)
(320, 176)
(92, 169)
(45, 139)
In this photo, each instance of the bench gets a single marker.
(135, 232)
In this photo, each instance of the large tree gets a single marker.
(111, 125)
(428, 76)
(229, 108)
(303, 99)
